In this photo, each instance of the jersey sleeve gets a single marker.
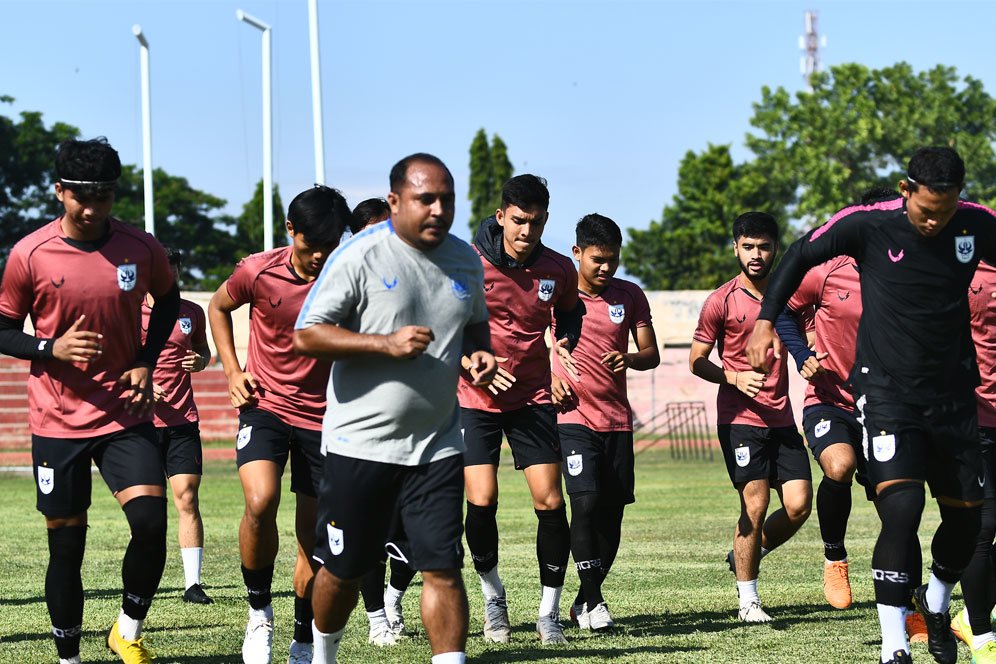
(335, 295)
(16, 292)
(641, 309)
(240, 284)
(711, 320)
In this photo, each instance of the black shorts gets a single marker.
(824, 426)
(126, 458)
(531, 432)
(760, 453)
(181, 449)
(598, 461)
(358, 500)
(265, 437)
(937, 444)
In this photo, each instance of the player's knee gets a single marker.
(147, 518)
(584, 505)
(186, 501)
(261, 508)
(550, 501)
(839, 468)
(900, 507)
(442, 579)
(66, 545)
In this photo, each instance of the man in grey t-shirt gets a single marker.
(396, 308)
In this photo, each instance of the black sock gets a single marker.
(833, 507)
(553, 545)
(608, 525)
(977, 580)
(401, 574)
(914, 568)
(482, 536)
(900, 507)
(372, 588)
(584, 547)
(302, 620)
(258, 582)
(64, 587)
(145, 558)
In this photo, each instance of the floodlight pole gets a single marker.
(267, 129)
(150, 223)
(316, 92)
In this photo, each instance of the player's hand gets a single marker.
(483, 368)
(137, 383)
(567, 360)
(750, 382)
(560, 390)
(762, 340)
(194, 361)
(616, 361)
(242, 389)
(158, 393)
(76, 345)
(503, 379)
(811, 368)
(409, 342)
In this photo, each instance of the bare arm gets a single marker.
(241, 385)
(748, 382)
(647, 356)
(331, 342)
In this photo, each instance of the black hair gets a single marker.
(370, 211)
(755, 224)
(526, 192)
(399, 172)
(93, 161)
(322, 215)
(173, 255)
(596, 230)
(939, 169)
(876, 194)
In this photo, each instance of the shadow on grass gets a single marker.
(538, 653)
(169, 593)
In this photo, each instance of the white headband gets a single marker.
(90, 183)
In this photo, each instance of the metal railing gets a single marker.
(682, 426)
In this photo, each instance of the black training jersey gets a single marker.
(914, 341)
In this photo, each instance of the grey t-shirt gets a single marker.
(397, 410)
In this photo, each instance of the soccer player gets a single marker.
(371, 211)
(762, 448)
(82, 279)
(528, 286)
(914, 375)
(281, 400)
(595, 421)
(395, 309)
(175, 417)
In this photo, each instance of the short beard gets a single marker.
(761, 275)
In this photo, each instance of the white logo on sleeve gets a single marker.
(186, 325)
(245, 433)
(546, 287)
(42, 344)
(335, 539)
(127, 276)
(617, 312)
(742, 455)
(822, 428)
(884, 446)
(46, 479)
(964, 248)
(574, 465)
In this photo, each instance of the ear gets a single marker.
(904, 189)
(500, 216)
(577, 253)
(290, 227)
(59, 191)
(394, 201)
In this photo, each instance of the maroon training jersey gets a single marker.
(520, 307)
(177, 407)
(55, 280)
(835, 290)
(982, 303)
(291, 386)
(601, 403)
(727, 320)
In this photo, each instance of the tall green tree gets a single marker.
(489, 168)
(249, 224)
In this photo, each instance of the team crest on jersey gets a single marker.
(822, 428)
(458, 284)
(335, 539)
(617, 312)
(127, 276)
(46, 479)
(965, 248)
(245, 433)
(884, 447)
(186, 325)
(574, 465)
(742, 455)
(546, 287)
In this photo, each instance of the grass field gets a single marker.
(670, 592)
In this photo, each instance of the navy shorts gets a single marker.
(181, 449)
(531, 432)
(598, 462)
(265, 437)
(761, 453)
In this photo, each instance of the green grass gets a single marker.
(670, 592)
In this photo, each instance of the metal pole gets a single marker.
(267, 129)
(316, 93)
(150, 222)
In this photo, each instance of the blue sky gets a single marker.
(601, 98)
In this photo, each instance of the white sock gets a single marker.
(377, 617)
(393, 596)
(192, 557)
(831, 562)
(938, 594)
(550, 600)
(748, 592)
(71, 660)
(979, 640)
(326, 645)
(449, 658)
(893, 622)
(129, 628)
(491, 584)
(764, 552)
(266, 613)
